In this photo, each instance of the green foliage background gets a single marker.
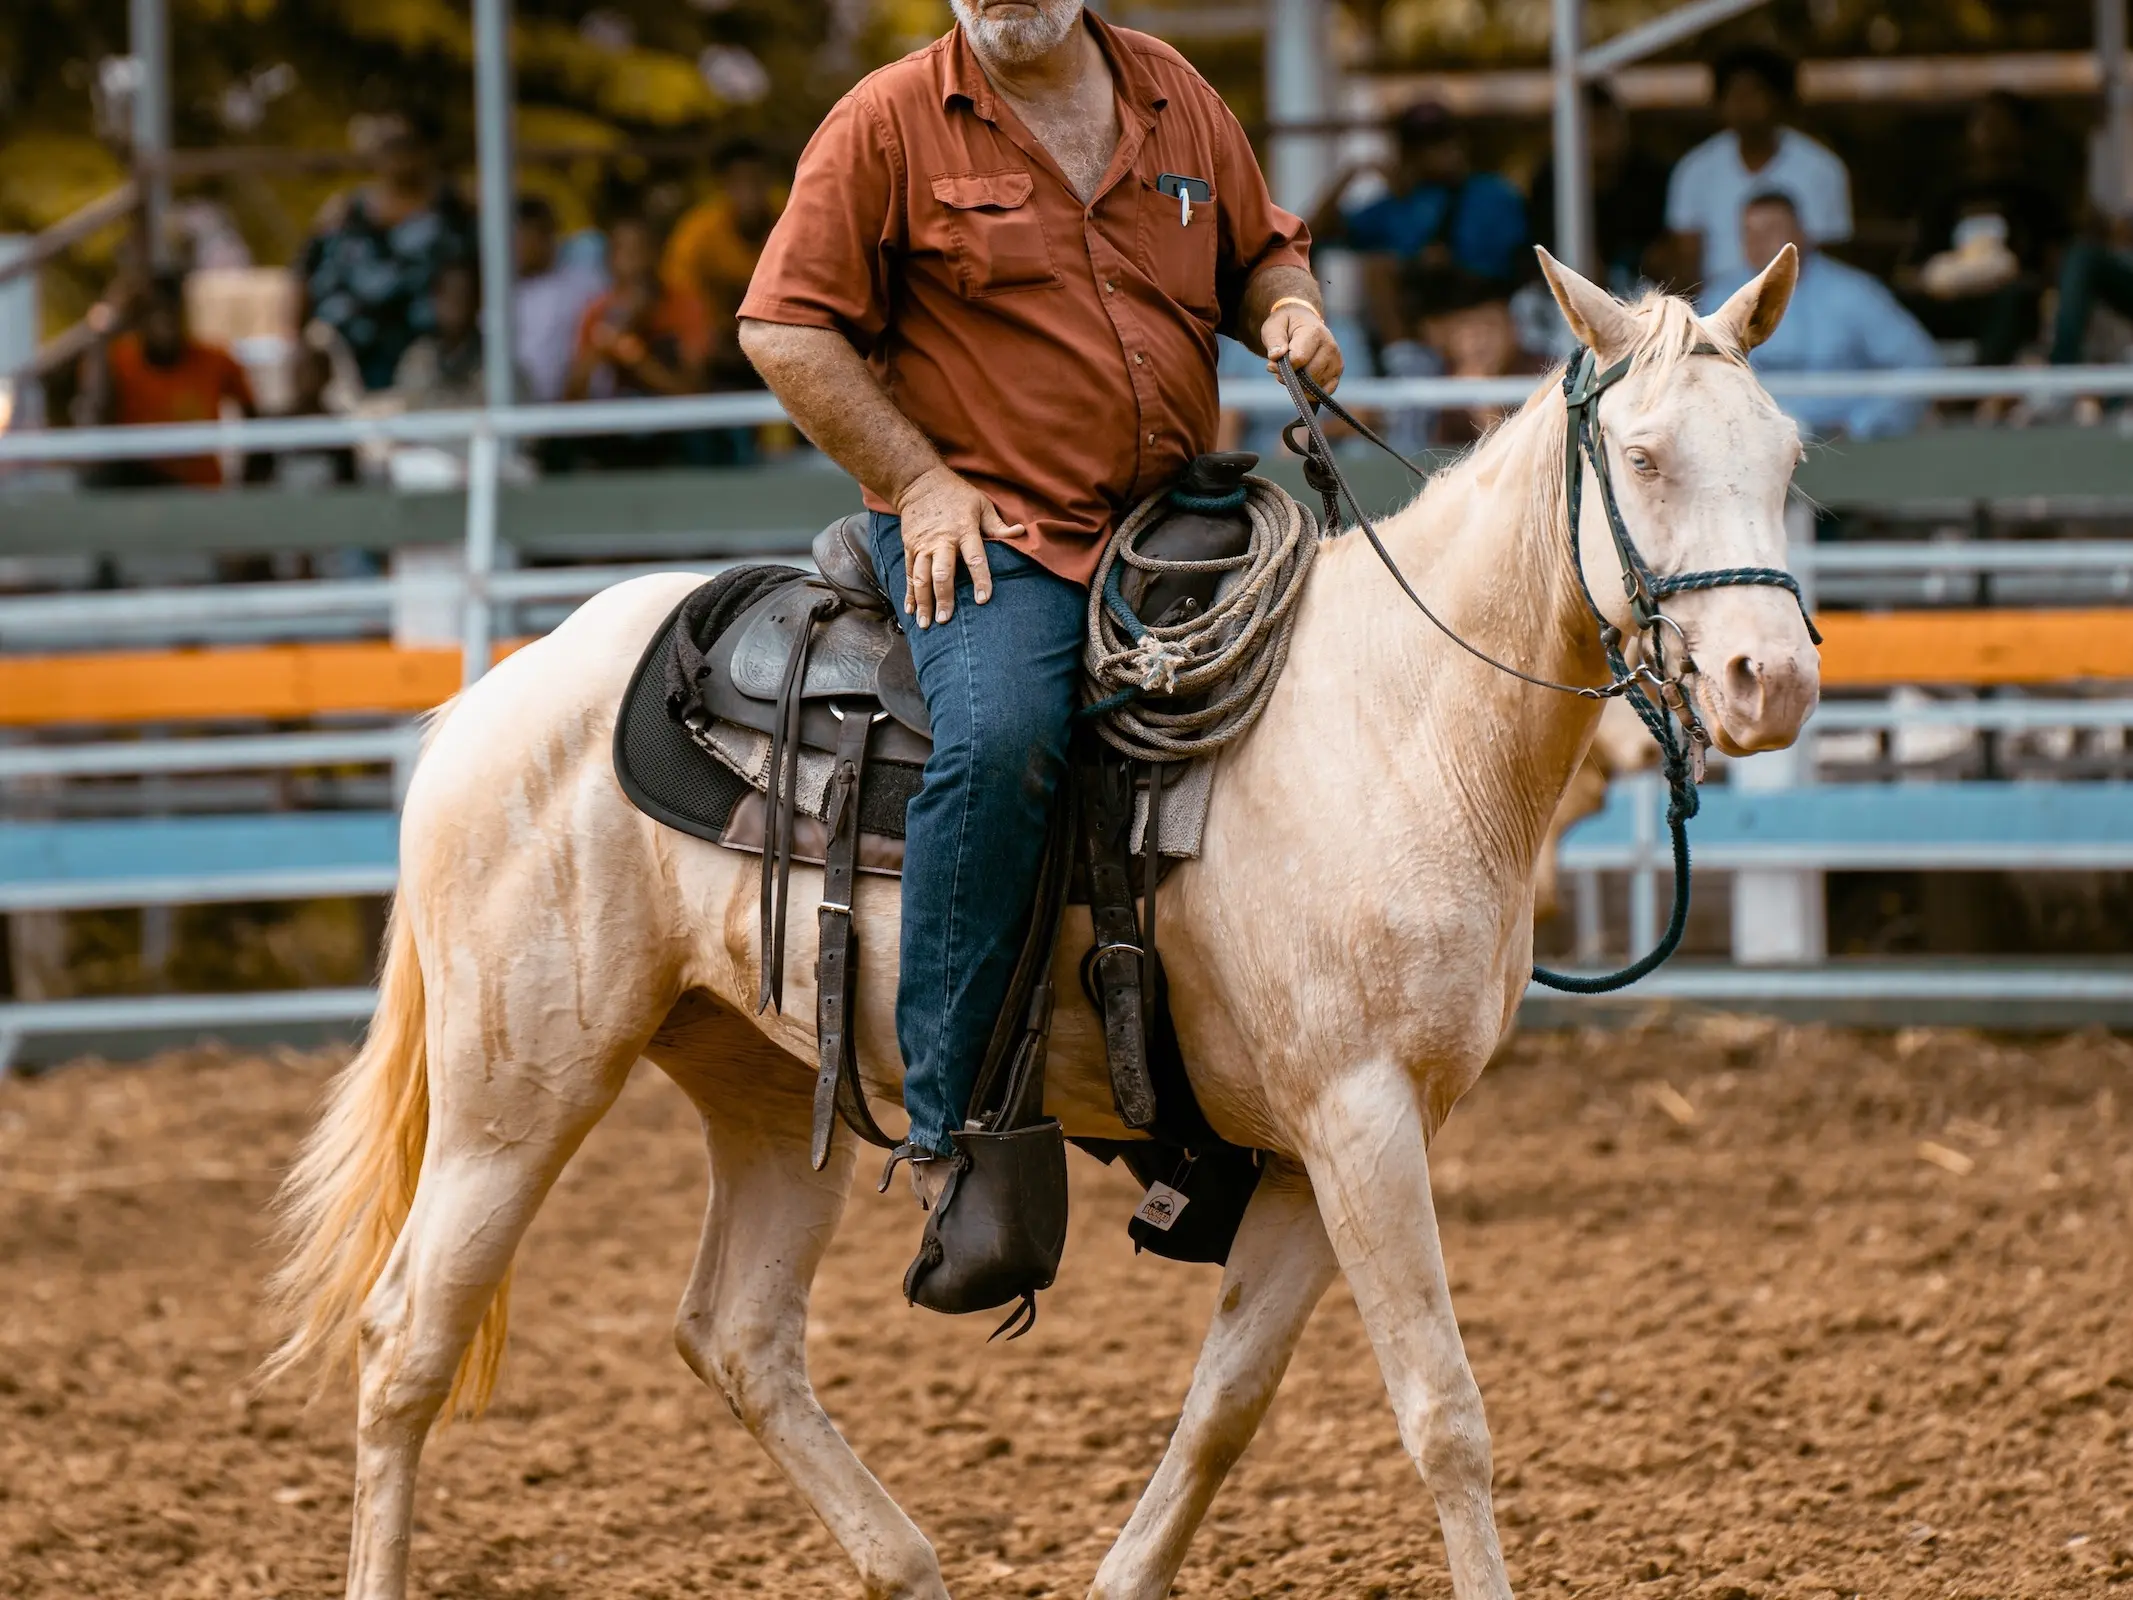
(588, 75)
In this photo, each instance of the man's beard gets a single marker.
(1023, 37)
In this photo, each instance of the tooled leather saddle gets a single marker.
(801, 690)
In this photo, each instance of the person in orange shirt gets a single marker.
(159, 372)
(640, 339)
(714, 248)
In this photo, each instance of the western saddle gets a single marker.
(817, 665)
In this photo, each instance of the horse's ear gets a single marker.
(1758, 305)
(1601, 322)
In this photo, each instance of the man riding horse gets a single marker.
(993, 300)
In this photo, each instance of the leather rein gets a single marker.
(1661, 702)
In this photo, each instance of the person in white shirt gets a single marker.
(1756, 153)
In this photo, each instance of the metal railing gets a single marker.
(479, 589)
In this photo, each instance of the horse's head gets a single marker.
(1701, 459)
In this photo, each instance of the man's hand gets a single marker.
(945, 516)
(1305, 339)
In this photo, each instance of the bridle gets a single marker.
(1659, 697)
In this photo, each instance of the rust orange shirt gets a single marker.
(1061, 356)
(191, 389)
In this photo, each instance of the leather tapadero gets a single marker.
(999, 1228)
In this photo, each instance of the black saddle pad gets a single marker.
(664, 772)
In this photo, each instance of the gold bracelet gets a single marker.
(1296, 300)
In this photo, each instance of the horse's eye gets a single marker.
(1640, 460)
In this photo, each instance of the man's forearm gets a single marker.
(1262, 289)
(834, 398)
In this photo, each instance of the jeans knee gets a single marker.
(1013, 748)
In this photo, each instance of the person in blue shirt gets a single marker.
(1840, 320)
(1436, 213)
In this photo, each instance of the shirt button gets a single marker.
(1110, 286)
(1151, 438)
(1139, 359)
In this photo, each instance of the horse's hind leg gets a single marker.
(1278, 1268)
(742, 1326)
(499, 1135)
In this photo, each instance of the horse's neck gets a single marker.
(1488, 547)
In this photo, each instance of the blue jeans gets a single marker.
(1001, 682)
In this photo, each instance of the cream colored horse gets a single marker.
(1343, 957)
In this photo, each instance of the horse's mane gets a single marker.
(1531, 439)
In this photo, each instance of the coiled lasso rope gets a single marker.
(1232, 653)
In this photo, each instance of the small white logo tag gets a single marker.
(1160, 1206)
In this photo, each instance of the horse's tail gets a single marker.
(348, 1196)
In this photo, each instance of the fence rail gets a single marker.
(183, 860)
(1252, 396)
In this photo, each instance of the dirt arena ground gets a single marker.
(1757, 1312)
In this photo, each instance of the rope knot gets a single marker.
(1155, 664)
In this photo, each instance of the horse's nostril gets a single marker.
(1744, 680)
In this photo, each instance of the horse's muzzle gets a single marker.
(1760, 701)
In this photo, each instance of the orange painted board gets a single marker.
(291, 680)
(1862, 649)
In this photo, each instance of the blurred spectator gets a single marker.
(1982, 251)
(1468, 323)
(158, 372)
(442, 370)
(1840, 320)
(714, 247)
(312, 382)
(1437, 213)
(374, 255)
(637, 339)
(549, 302)
(1628, 196)
(2092, 274)
(1755, 154)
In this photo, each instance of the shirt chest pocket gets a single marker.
(993, 240)
(1178, 247)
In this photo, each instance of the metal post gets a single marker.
(1573, 161)
(2115, 143)
(492, 122)
(148, 24)
(1298, 82)
(1780, 918)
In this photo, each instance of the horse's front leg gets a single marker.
(1366, 1149)
(1279, 1266)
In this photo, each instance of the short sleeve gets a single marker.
(1256, 233)
(826, 264)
